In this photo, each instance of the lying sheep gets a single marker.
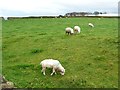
(5, 83)
(54, 64)
(69, 30)
(76, 29)
(91, 25)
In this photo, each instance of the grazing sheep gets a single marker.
(76, 29)
(54, 64)
(69, 30)
(91, 25)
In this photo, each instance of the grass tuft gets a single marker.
(36, 51)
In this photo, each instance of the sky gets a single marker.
(55, 7)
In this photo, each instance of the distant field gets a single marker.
(90, 58)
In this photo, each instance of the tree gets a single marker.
(83, 13)
(96, 13)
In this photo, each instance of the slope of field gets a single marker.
(90, 58)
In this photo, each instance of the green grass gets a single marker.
(90, 58)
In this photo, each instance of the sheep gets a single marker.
(91, 25)
(5, 83)
(76, 29)
(69, 30)
(54, 64)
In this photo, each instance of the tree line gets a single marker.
(84, 13)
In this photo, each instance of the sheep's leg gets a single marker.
(44, 73)
(43, 70)
(53, 72)
(67, 32)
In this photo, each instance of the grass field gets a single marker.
(90, 58)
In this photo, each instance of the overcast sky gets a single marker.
(55, 7)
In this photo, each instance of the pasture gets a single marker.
(90, 58)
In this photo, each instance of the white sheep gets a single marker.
(54, 64)
(76, 29)
(91, 25)
(69, 30)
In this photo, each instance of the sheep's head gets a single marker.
(71, 33)
(62, 72)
